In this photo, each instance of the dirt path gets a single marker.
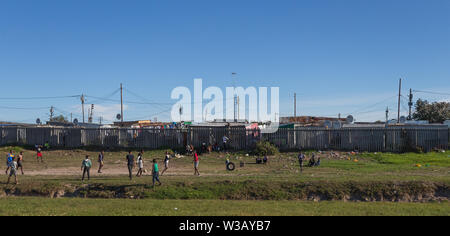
(111, 171)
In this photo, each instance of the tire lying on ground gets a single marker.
(231, 166)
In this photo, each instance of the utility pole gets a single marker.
(295, 104)
(238, 115)
(82, 105)
(121, 103)
(181, 112)
(71, 120)
(51, 113)
(410, 104)
(91, 114)
(100, 119)
(399, 95)
(233, 75)
(387, 115)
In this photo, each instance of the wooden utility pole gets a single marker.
(233, 78)
(121, 103)
(237, 103)
(295, 104)
(52, 110)
(399, 96)
(82, 105)
(410, 104)
(387, 115)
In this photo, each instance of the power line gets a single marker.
(437, 93)
(151, 116)
(25, 108)
(34, 98)
(104, 97)
(371, 106)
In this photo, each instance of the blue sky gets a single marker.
(339, 56)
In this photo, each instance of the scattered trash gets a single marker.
(418, 165)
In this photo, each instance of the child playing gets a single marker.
(140, 162)
(155, 173)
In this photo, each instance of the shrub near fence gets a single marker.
(392, 139)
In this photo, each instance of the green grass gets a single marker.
(374, 174)
(89, 207)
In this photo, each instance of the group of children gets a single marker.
(13, 164)
(86, 165)
(312, 161)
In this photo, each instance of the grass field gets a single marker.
(380, 177)
(150, 207)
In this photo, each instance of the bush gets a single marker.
(265, 148)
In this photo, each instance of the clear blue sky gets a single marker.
(339, 56)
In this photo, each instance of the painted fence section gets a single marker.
(397, 139)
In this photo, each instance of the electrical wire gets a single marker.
(35, 98)
(430, 92)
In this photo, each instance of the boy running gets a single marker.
(19, 162)
(101, 157)
(166, 163)
(86, 167)
(155, 173)
(13, 171)
(196, 162)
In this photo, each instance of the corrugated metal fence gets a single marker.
(395, 139)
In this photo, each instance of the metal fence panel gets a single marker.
(392, 139)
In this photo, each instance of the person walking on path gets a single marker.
(155, 173)
(101, 163)
(130, 164)
(12, 171)
(86, 167)
(140, 162)
(166, 163)
(301, 158)
(20, 162)
(196, 162)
